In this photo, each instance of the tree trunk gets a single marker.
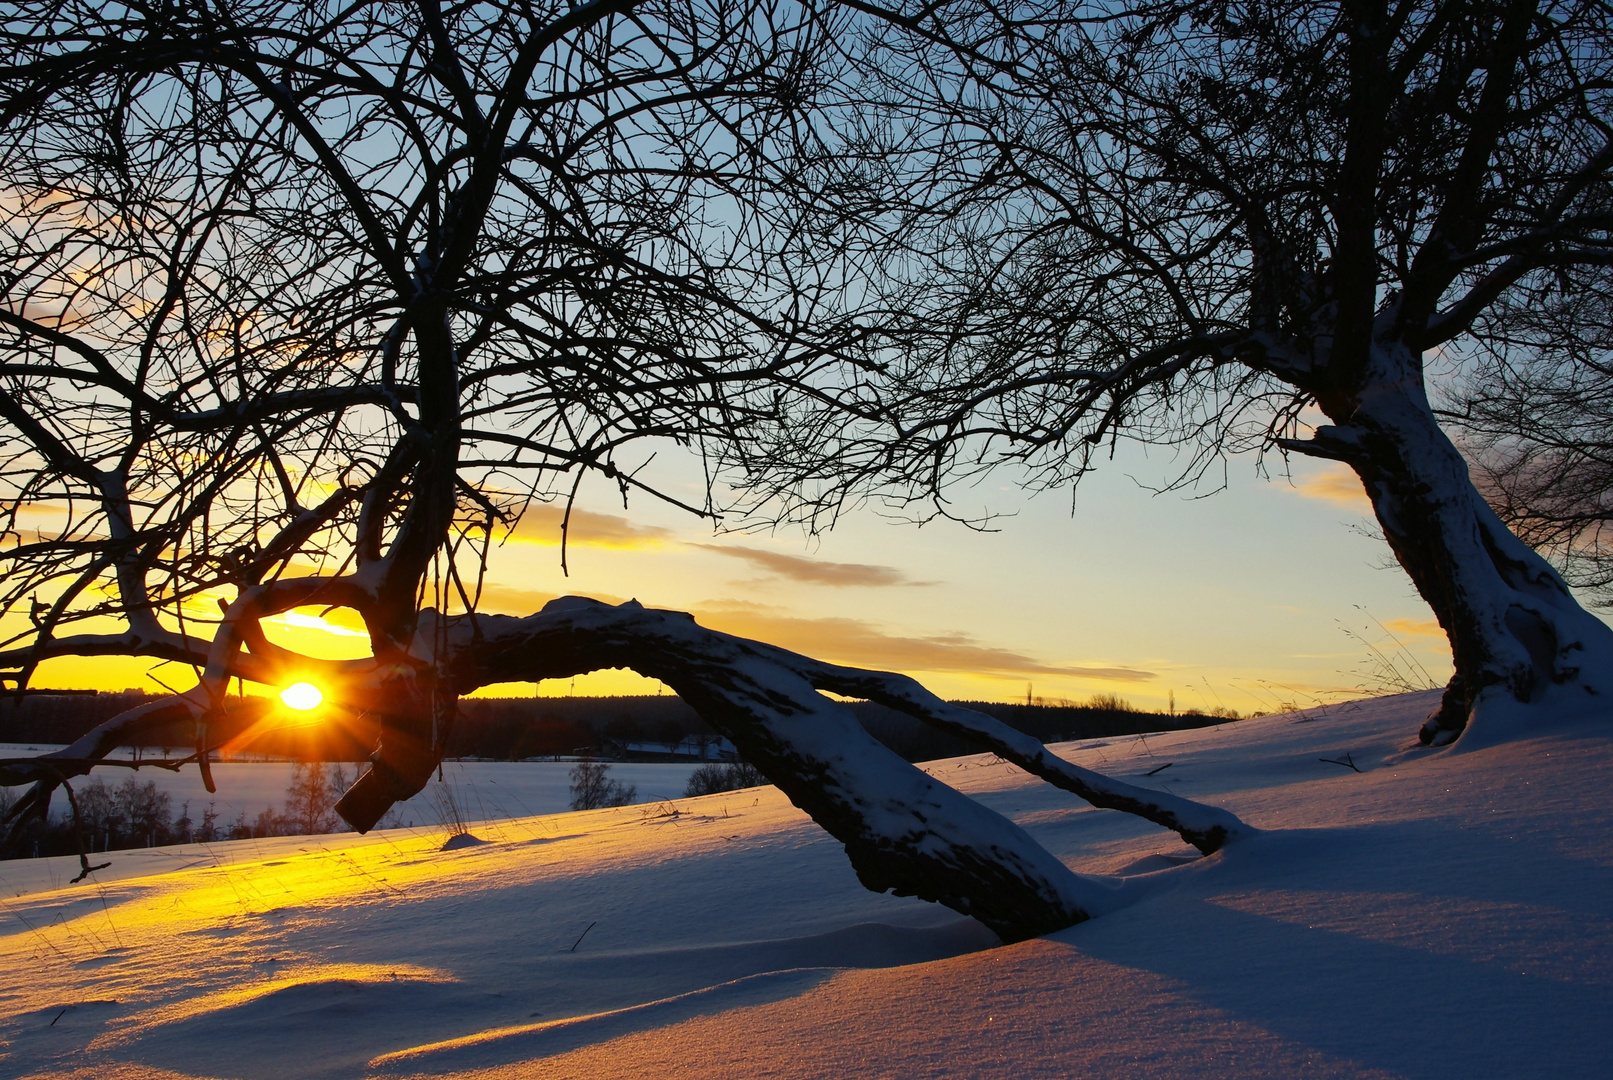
(415, 712)
(1517, 634)
(904, 831)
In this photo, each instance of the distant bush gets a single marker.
(592, 787)
(1220, 712)
(725, 776)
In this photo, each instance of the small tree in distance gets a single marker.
(716, 777)
(310, 807)
(592, 787)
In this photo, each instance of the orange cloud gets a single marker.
(811, 570)
(540, 524)
(1335, 483)
(1415, 628)
(342, 622)
(40, 510)
(857, 643)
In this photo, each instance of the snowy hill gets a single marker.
(1437, 914)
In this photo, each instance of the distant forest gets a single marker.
(513, 729)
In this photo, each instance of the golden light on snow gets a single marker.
(301, 696)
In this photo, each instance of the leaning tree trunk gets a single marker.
(903, 830)
(1517, 634)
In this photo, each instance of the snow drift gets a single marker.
(1435, 914)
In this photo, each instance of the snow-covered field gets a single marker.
(482, 789)
(1438, 914)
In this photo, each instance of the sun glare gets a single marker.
(302, 696)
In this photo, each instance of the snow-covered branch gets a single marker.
(1207, 828)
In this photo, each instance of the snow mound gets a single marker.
(461, 840)
(522, 1043)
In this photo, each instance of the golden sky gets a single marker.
(1247, 598)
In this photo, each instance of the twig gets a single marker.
(171, 764)
(664, 811)
(84, 867)
(1348, 761)
(49, 944)
(58, 1017)
(582, 935)
(1161, 768)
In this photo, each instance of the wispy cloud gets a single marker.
(859, 643)
(1415, 628)
(541, 525)
(812, 570)
(317, 622)
(1334, 483)
(41, 510)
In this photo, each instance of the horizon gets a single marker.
(1245, 598)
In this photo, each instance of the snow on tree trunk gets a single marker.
(1517, 634)
(904, 831)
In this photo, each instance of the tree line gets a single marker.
(514, 729)
(134, 813)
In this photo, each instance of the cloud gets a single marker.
(1335, 483)
(541, 525)
(858, 643)
(811, 570)
(1415, 628)
(40, 510)
(330, 625)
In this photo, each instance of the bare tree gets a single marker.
(1218, 226)
(311, 797)
(592, 787)
(303, 303)
(1535, 416)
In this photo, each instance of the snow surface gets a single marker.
(1437, 914)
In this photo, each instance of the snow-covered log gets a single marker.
(903, 830)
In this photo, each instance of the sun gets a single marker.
(302, 696)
